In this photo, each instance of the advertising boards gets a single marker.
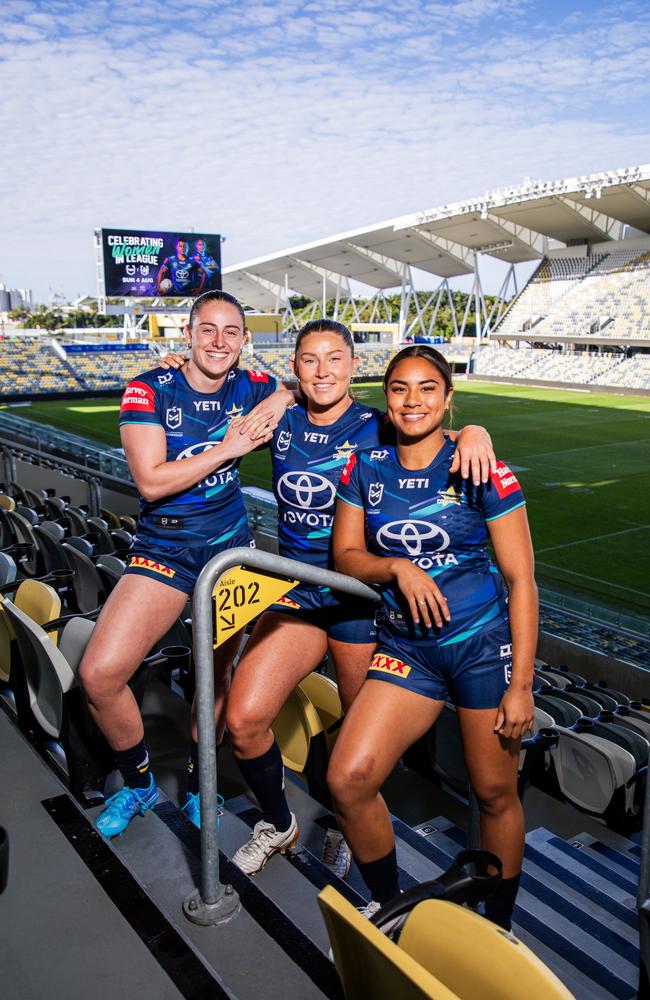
(151, 264)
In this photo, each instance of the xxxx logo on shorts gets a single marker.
(287, 602)
(390, 665)
(143, 563)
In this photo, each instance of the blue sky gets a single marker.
(279, 123)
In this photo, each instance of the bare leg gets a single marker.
(351, 661)
(369, 746)
(492, 763)
(136, 615)
(281, 652)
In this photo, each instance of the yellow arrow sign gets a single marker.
(240, 595)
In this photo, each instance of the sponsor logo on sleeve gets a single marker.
(141, 562)
(256, 376)
(138, 397)
(390, 665)
(347, 471)
(504, 480)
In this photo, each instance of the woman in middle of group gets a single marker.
(310, 448)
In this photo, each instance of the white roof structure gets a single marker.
(514, 225)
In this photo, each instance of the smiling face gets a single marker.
(215, 339)
(417, 398)
(324, 366)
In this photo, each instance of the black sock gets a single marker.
(380, 877)
(498, 908)
(193, 767)
(134, 765)
(265, 777)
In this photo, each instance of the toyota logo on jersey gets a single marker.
(413, 536)
(198, 449)
(306, 490)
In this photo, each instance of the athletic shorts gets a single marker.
(472, 674)
(344, 619)
(177, 566)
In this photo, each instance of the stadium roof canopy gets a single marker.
(513, 224)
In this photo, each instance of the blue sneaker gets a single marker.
(192, 809)
(123, 806)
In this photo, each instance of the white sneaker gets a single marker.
(389, 926)
(265, 842)
(336, 854)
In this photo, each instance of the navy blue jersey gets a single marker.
(439, 522)
(207, 263)
(308, 460)
(213, 510)
(185, 275)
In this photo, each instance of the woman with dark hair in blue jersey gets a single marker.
(183, 434)
(407, 522)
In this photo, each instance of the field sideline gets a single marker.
(583, 461)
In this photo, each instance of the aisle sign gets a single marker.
(240, 595)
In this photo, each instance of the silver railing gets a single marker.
(212, 902)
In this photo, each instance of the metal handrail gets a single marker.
(213, 902)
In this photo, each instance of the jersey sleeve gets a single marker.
(349, 484)
(261, 384)
(501, 494)
(139, 404)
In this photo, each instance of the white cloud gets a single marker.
(281, 123)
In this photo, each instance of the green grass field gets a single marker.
(583, 461)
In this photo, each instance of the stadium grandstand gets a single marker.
(68, 514)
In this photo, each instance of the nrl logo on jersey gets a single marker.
(284, 440)
(174, 417)
(375, 493)
(451, 495)
(344, 451)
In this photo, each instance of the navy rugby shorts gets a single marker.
(175, 565)
(472, 674)
(345, 619)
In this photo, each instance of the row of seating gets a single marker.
(571, 366)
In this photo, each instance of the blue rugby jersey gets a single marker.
(185, 275)
(308, 460)
(438, 521)
(213, 510)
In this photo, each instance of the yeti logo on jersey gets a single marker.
(375, 493)
(284, 440)
(413, 536)
(344, 451)
(306, 490)
(379, 456)
(174, 417)
(164, 379)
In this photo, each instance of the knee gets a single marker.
(350, 781)
(495, 799)
(245, 725)
(97, 679)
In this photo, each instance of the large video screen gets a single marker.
(168, 265)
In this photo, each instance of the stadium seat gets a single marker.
(563, 713)
(324, 696)
(8, 569)
(110, 569)
(432, 958)
(594, 773)
(87, 583)
(296, 728)
(7, 502)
